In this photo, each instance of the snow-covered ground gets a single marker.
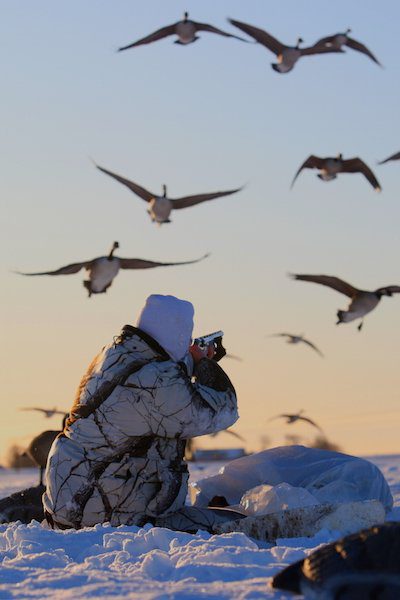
(129, 562)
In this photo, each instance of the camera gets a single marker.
(215, 339)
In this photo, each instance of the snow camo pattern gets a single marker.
(120, 457)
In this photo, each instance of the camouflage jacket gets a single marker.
(120, 458)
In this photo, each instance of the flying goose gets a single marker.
(190, 442)
(392, 157)
(296, 339)
(363, 565)
(293, 418)
(47, 412)
(362, 302)
(185, 29)
(103, 269)
(233, 357)
(160, 207)
(331, 166)
(338, 40)
(230, 431)
(287, 55)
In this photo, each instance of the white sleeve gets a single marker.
(174, 406)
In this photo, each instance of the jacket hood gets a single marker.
(169, 321)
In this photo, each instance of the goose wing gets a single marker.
(139, 263)
(49, 411)
(310, 421)
(391, 289)
(392, 157)
(152, 37)
(312, 346)
(261, 36)
(356, 165)
(289, 335)
(279, 417)
(312, 162)
(315, 49)
(67, 270)
(233, 357)
(236, 435)
(187, 201)
(361, 48)
(325, 41)
(333, 282)
(134, 187)
(212, 29)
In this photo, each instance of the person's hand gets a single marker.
(199, 353)
(220, 351)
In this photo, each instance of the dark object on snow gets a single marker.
(39, 448)
(361, 566)
(23, 506)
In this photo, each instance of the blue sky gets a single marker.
(210, 116)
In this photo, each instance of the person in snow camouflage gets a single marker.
(120, 458)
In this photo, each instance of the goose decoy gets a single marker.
(296, 339)
(331, 166)
(293, 418)
(287, 55)
(362, 301)
(23, 506)
(392, 157)
(47, 412)
(338, 40)
(361, 566)
(39, 448)
(185, 29)
(160, 207)
(103, 269)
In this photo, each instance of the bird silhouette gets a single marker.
(47, 412)
(296, 339)
(330, 167)
(338, 40)
(293, 418)
(103, 269)
(190, 443)
(185, 29)
(287, 55)
(230, 431)
(160, 207)
(392, 157)
(362, 301)
(233, 357)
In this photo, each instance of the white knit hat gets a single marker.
(170, 322)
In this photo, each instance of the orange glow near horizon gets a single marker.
(203, 118)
